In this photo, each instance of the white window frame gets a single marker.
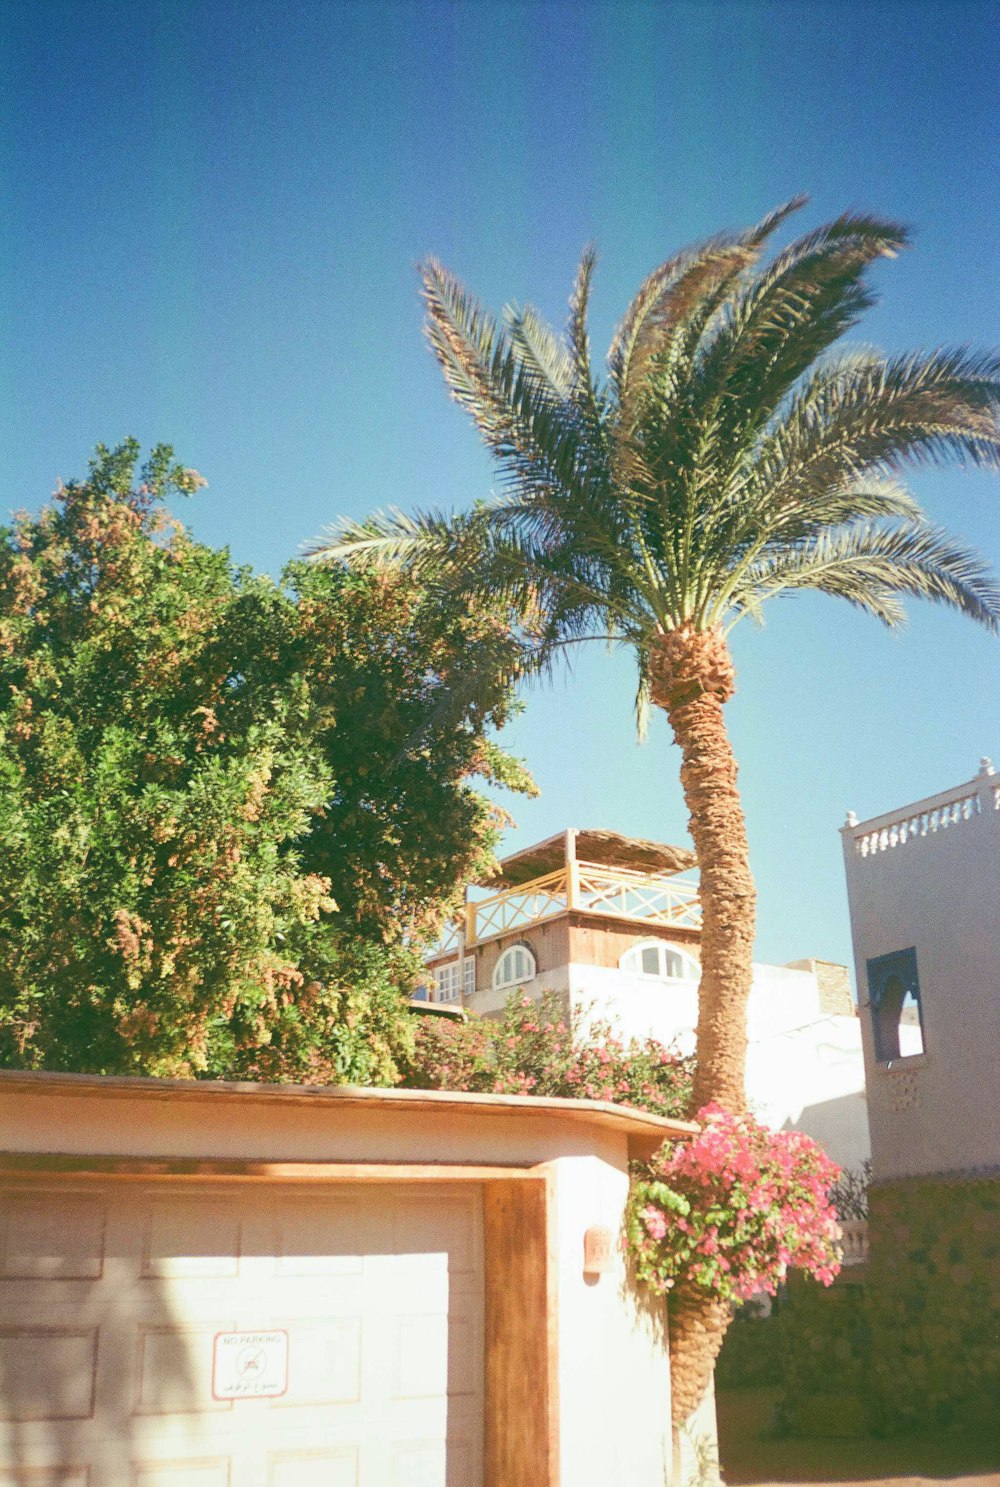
(469, 987)
(631, 962)
(447, 982)
(503, 980)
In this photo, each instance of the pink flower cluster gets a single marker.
(734, 1209)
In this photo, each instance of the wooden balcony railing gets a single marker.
(645, 898)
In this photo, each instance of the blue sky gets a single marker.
(211, 214)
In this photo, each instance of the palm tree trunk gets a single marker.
(692, 678)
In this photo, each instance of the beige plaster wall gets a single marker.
(614, 1368)
(207, 1125)
(940, 894)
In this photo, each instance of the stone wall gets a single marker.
(911, 1341)
(934, 1302)
(825, 1345)
(751, 1355)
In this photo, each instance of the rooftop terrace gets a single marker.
(587, 872)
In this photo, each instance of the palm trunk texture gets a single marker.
(692, 678)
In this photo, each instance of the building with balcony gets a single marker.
(923, 885)
(613, 924)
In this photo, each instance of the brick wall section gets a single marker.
(834, 985)
(934, 1302)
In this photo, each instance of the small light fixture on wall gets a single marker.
(596, 1252)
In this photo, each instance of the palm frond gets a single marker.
(643, 694)
(391, 537)
(473, 351)
(871, 565)
(577, 333)
(729, 459)
(785, 318)
(672, 294)
(867, 413)
(540, 348)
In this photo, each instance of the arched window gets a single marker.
(660, 962)
(894, 993)
(514, 967)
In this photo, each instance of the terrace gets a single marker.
(583, 872)
(938, 813)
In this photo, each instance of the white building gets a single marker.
(923, 884)
(614, 924)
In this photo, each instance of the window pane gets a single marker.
(894, 995)
(651, 960)
(672, 964)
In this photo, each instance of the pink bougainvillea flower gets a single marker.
(734, 1208)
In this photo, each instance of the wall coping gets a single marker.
(948, 1175)
(643, 1130)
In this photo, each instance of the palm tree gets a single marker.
(727, 458)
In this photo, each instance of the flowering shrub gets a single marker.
(538, 1048)
(732, 1210)
(849, 1194)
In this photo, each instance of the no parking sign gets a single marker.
(249, 1365)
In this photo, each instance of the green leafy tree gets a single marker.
(728, 458)
(404, 830)
(196, 765)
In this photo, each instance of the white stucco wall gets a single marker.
(488, 999)
(915, 882)
(613, 1355)
(805, 1067)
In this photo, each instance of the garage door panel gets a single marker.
(47, 1373)
(465, 1356)
(379, 1290)
(174, 1370)
(413, 1284)
(326, 1236)
(202, 1473)
(324, 1362)
(68, 1476)
(187, 1238)
(51, 1238)
(420, 1463)
(339, 1468)
(419, 1222)
(464, 1464)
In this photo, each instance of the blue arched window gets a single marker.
(894, 998)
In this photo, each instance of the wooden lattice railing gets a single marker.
(626, 894)
(647, 898)
(531, 903)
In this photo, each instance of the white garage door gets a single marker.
(241, 1336)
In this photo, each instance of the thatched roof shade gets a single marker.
(607, 848)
